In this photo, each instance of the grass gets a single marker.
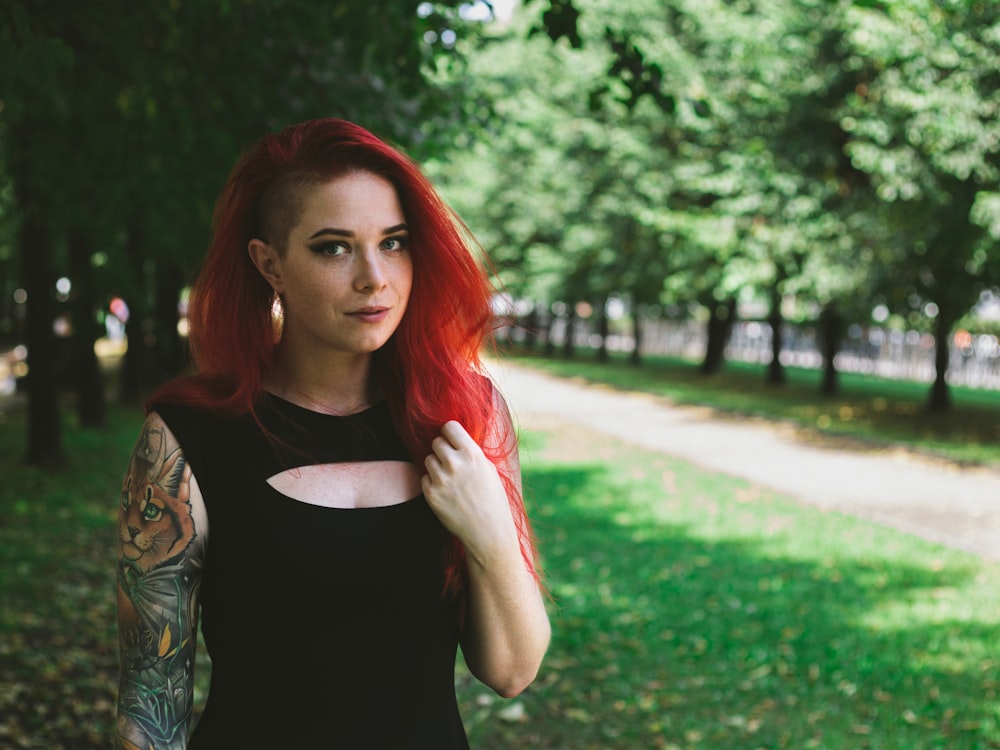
(58, 653)
(868, 408)
(697, 611)
(691, 610)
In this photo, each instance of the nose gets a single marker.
(370, 274)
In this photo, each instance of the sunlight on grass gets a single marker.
(693, 610)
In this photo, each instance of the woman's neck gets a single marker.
(335, 385)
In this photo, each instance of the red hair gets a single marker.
(429, 370)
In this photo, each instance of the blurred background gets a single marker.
(768, 196)
(650, 177)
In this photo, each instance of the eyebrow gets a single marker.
(348, 233)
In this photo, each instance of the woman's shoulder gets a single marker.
(202, 420)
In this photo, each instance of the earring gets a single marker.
(277, 316)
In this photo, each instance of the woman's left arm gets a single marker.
(507, 628)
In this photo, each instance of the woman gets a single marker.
(336, 492)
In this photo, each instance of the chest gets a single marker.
(351, 485)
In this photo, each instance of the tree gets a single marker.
(34, 69)
(807, 157)
(924, 126)
(750, 187)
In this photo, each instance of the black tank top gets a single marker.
(326, 627)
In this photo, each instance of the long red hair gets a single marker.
(430, 370)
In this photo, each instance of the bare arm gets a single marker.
(162, 527)
(507, 631)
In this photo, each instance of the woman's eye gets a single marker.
(396, 243)
(330, 248)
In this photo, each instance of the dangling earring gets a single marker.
(277, 316)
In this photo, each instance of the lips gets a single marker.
(371, 314)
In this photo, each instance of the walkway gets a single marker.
(958, 507)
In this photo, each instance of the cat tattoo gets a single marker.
(157, 594)
(156, 524)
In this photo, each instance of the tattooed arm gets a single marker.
(162, 529)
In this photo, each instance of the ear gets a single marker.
(268, 263)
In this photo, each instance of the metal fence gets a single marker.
(904, 355)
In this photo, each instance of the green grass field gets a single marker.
(694, 610)
(690, 610)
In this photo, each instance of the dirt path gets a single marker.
(958, 507)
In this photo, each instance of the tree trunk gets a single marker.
(136, 363)
(531, 325)
(635, 358)
(775, 370)
(831, 330)
(940, 398)
(171, 357)
(603, 330)
(720, 325)
(91, 404)
(569, 346)
(44, 426)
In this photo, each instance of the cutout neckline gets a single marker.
(357, 485)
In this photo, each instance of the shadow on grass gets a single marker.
(705, 614)
(58, 648)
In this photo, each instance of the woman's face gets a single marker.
(346, 272)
